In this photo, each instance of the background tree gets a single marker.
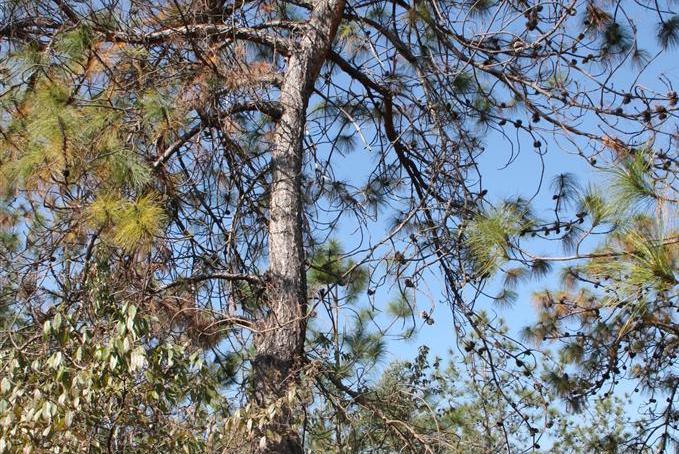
(620, 301)
(614, 319)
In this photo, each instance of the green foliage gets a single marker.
(329, 267)
(426, 405)
(105, 209)
(513, 276)
(161, 110)
(97, 378)
(127, 169)
(139, 222)
(43, 134)
(645, 259)
(326, 265)
(488, 238)
(480, 7)
(365, 347)
(594, 204)
(668, 32)
(57, 140)
(128, 224)
(114, 272)
(463, 83)
(351, 34)
(616, 40)
(75, 43)
(607, 434)
(621, 300)
(400, 308)
(566, 189)
(631, 184)
(156, 107)
(506, 298)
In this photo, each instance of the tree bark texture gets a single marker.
(280, 342)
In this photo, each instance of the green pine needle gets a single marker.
(668, 32)
(631, 185)
(488, 239)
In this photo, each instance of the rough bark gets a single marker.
(280, 343)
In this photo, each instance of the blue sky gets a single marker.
(522, 177)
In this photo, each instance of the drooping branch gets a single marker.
(234, 277)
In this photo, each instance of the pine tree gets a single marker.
(190, 158)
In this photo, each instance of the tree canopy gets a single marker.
(217, 218)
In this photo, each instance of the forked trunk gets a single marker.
(279, 343)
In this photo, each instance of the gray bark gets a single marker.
(280, 343)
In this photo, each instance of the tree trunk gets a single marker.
(280, 343)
